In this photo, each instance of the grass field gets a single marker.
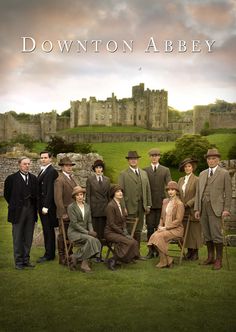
(134, 298)
(114, 153)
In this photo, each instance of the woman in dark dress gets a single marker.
(125, 247)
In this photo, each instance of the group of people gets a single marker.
(96, 215)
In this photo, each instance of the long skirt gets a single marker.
(194, 237)
(125, 250)
(87, 246)
(160, 239)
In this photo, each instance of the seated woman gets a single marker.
(170, 226)
(80, 231)
(125, 247)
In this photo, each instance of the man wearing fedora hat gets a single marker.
(63, 187)
(137, 193)
(159, 176)
(212, 203)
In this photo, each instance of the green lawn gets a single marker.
(114, 153)
(135, 298)
(105, 129)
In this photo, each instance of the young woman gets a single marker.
(81, 232)
(170, 226)
(126, 248)
(187, 189)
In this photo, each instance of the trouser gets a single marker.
(140, 215)
(152, 221)
(211, 224)
(99, 224)
(22, 233)
(49, 236)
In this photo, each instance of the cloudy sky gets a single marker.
(44, 78)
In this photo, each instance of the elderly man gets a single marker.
(63, 188)
(20, 192)
(212, 203)
(47, 207)
(137, 193)
(159, 176)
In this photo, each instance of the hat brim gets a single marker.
(69, 164)
(212, 155)
(193, 161)
(133, 157)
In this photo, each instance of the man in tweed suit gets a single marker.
(159, 176)
(137, 193)
(212, 203)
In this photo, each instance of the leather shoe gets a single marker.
(43, 259)
(19, 267)
(111, 263)
(29, 264)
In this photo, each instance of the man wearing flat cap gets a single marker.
(159, 176)
(212, 203)
(137, 193)
(63, 187)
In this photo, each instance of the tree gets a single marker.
(59, 145)
(232, 152)
(194, 146)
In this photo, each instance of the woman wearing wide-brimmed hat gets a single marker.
(97, 197)
(125, 247)
(81, 232)
(170, 226)
(187, 189)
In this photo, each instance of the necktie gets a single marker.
(136, 172)
(211, 172)
(100, 180)
(155, 169)
(26, 177)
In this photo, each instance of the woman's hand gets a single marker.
(92, 233)
(161, 228)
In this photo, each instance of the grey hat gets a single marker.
(132, 155)
(212, 153)
(154, 151)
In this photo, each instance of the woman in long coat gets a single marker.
(187, 189)
(170, 226)
(97, 197)
(81, 232)
(125, 247)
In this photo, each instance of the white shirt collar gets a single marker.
(66, 174)
(44, 167)
(213, 169)
(134, 169)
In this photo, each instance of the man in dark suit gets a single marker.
(212, 203)
(20, 192)
(47, 207)
(137, 194)
(159, 176)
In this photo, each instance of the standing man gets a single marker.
(212, 203)
(20, 192)
(159, 176)
(47, 207)
(137, 193)
(63, 188)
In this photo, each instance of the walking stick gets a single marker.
(225, 243)
(185, 237)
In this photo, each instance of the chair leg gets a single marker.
(183, 245)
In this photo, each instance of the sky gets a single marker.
(37, 76)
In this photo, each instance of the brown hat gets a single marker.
(172, 185)
(66, 161)
(154, 151)
(212, 153)
(114, 189)
(132, 155)
(97, 163)
(188, 161)
(78, 189)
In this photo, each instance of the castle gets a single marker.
(146, 108)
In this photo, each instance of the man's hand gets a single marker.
(44, 210)
(197, 215)
(92, 233)
(225, 214)
(147, 211)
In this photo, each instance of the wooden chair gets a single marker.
(67, 243)
(181, 242)
(110, 245)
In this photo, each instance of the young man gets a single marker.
(212, 203)
(159, 176)
(137, 193)
(20, 192)
(63, 188)
(47, 207)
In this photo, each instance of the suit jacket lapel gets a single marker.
(132, 175)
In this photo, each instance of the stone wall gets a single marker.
(122, 137)
(82, 168)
